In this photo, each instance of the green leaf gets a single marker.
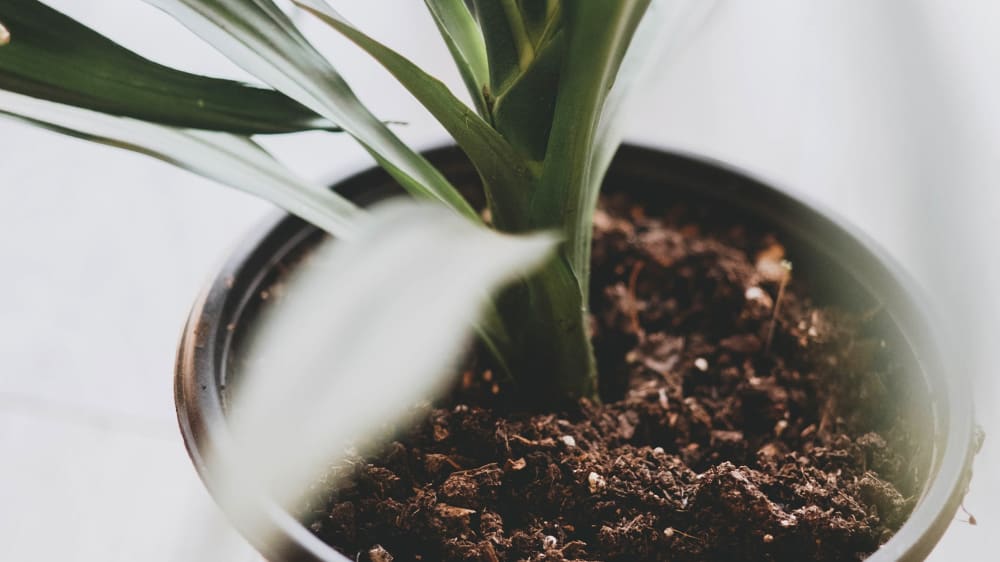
(53, 57)
(507, 45)
(229, 159)
(260, 38)
(523, 112)
(505, 175)
(367, 330)
(599, 34)
(536, 15)
(465, 43)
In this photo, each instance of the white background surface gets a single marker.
(886, 111)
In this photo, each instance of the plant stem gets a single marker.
(599, 36)
(547, 319)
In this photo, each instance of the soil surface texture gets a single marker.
(743, 419)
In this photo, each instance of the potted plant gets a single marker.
(743, 411)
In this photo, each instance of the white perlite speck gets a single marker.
(379, 554)
(701, 364)
(596, 482)
(569, 441)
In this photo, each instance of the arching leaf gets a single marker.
(51, 56)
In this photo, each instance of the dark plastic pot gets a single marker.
(938, 402)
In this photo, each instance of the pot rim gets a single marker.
(199, 388)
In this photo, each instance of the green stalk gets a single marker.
(551, 312)
(555, 362)
(599, 34)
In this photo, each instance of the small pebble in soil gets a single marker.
(569, 441)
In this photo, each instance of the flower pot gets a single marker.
(937, 403)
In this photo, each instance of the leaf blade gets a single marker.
(504, 51)
(536, 15)
(523, 112)
(258, 37)
(506, 176)
(54, 57)
(467, 47)
(229, 159)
